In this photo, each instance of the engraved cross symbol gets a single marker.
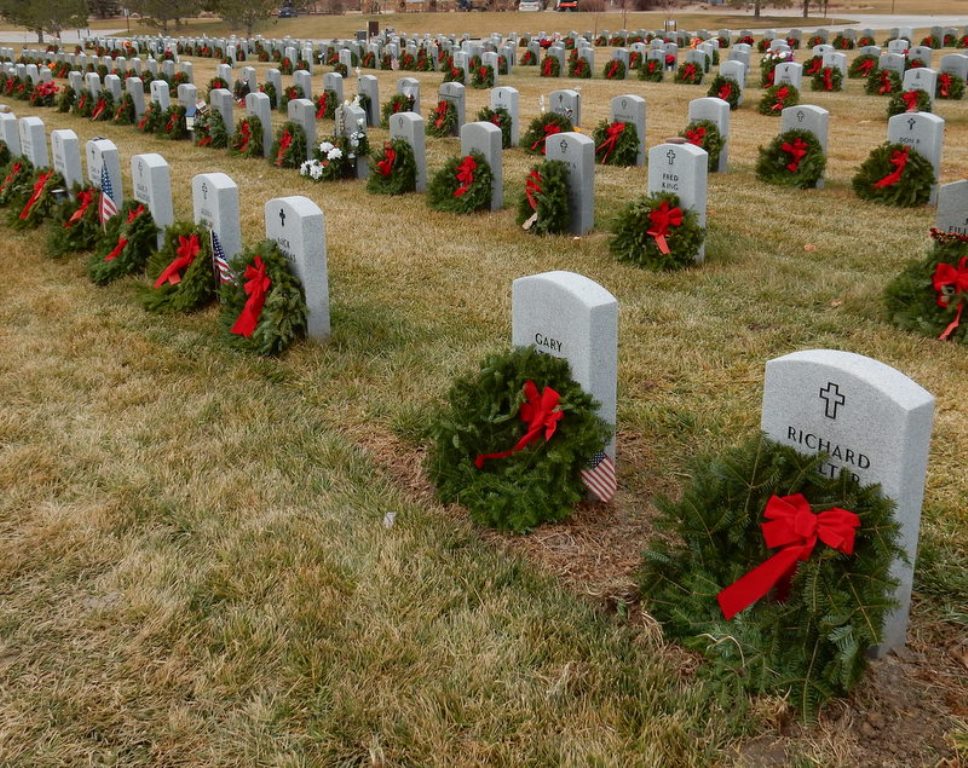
(800, 116)
(282, 217)
(204, 191)
(832, 399)
(564, 145)
(671, 154)
(911, 123)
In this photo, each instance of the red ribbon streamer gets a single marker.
(321, 106)
(725, 91)
(866, 66)
(612, 134)
(99, 109)
(539, 412)
(886, 85)
(465, 175)
(257, 287)
(440, 114)
(696, 135)
(285, 141)
(791, 524)
(38, 191)
(135, 213)
(550, 129)
(14, 170)
(899, 159)
(798, 150)
(944, 84)
(780, 98)
(662, 219)
(84, 199)
(385, 166)
(532, 188)
(814, 65)
(246, 132)
(188, 249)
(116, 251)
(828, 79)
(612, 69)
(689, 71)
(957, 277)
(910, 101)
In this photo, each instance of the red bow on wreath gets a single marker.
(321, 106)
(725, 91)
(285, 141)
(546, 66)
(188, 249)
(670, 59)
(696, 135)
(949, 282)
(612, 134)
(38, 191)
(385, 166)
(689, 71)
(886, 84)
(798, 150)
(662, 218)
(910, 101)
(440, 114)
(532, 188)
(866, 66)
(899, 159)
(944, 85)
(550, 129)
(257, 288)
(122, 240)
(814, 65)
(99, 109)
(791, 524)
(465, 175)
(612, 69)
(781, 96)
(828, 79)
(84, 199)
(539, 412)
(14, 170)
(482, 72)
(246, 132)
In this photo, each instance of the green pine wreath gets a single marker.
(393, 169)
(705, 135)
(863, 66)
(269, 89)
(284, 315)
(923, 299)
(84, 103)
(215, 83)
(578, 67)
(44, 94)
(482, 76)
(550, 67)
(175, 123)
(499, 117)
(812, 66)
(777, 98)
(949, 86)
(689, 73)
(289, 147)
(795, 158)
(543, 208)
(463, 185)
(633, 242)
(126, 244)
(75, 223)
(4, 154)
(528, 59)
(124, 113)
(883, 82)
(442, 120)
(813, 645)
(614, 70)
(398, 102)
(543, 126)
(65, 102)
(247, 139)
(652, 71)
(616, 143)
(538, 484)
(326, 104)
(37, 200)
(454, 75)
(914, 100)
(209, 130)
(152, 120)
(103, 108)
(186, 259)
(635, 60)
(727, 89)
(883, 178)
(828, 79)
(16, 181)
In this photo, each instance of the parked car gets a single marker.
(287, 13)
(567, 5)
(530, 5)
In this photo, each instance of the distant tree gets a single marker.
(104, 9)
(161, 13)
(245, 14)
(42, 16)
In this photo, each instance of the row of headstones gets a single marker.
(80, 61)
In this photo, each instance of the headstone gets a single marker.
(112, 84)
(681, 169)
(716, 111)
(410, 87)
(368, 85)
(188, 97)
(92, 82)
(296, 224)
(151, 185)
(152, 67)
(168, 68)
(33, 141)
(160, 94)
(491, 60)
(102, 153)
(249, 76)
(222, 100)
(872, 421)
(333, 81)
(577, 151)
(507, 98)
(303, 113)
(925, 133)
(922, 79)
(134, 87)
(303, 79)
(65, 150)
(454, 93)
(788, 73)
(735, 70)
(898, 45)
(952, 215)
(409, 126)
(806, 117)
(955, 64)
(215, 203)
(921, 53)
(224, 71)
(566, 102)
(10, 132)
(631, 109)
(566, 315)
(836, 60)
(258, 105)
(892, 61)
(485, 138)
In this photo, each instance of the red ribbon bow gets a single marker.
(612, 134)
(440, 113)
(696, 135)
(546, 66)
(910, 101)
(946, 275)
(385, 166)
(944, 84)
(116, 251)
(780, 98)
(84, 199)
(99, 109)
(38, 191)
(798, 150)
(612, 69)
(899, 159)
(886, 85)
(246, 132)
(828, 79)
(532, 188)
(725, 91)
(866, 66)
(689, 71)
(257, 288)
(539, 412)
(791, 524)
(670, 59)
(285, 141)
(321, 106)
(814, 65)
(188, 249)
(135, 213)
(662, 219)
(14, 170)
(465, 175)
(550, 129)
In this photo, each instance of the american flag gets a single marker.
(106, 206)
(599, 476)
(220, 263)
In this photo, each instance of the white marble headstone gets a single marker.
(151, 185)
(924, 132)
(577, 151)
(681, 169)
(485, 138)
(65, 150)
(409, 126)
(102, 153)
(215, 204)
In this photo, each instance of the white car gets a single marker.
(529, 5)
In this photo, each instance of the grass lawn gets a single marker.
(194, 561)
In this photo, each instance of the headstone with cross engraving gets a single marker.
(65, 150)
(505, 97)
(923, 132)
(952, 215)
(789, 73)
(455, 94)
(485, 137)
(410, 88)
(567, 315)
(102, 153)
(303, 113)
(566, 102)
(33, 141)
(806, 117)
(258, 105)
(296, 224)
(922, 54)
(369, 86)
(577, 151)
(681, 169)
(215, 204)
(922, 79)
(954, 64)
(873, 422)
(715, 111)
(409, 126)
(629, 108)
(151, 185)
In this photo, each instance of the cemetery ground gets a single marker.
(195, 563)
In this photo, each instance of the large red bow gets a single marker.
(899, 159)
(539, 412)
(662, 219)
(945, 276)
(886, 83)
(814, 65)
(84, 199)
(781, 95)
(116, 251)
(285, 141)
(385, 166)
(689, 71)
(910, 100)
(99, 108)
(828, 78)
(532, 188)
(188, 249)
(791, 524)
(866, 66)
(797, 150)
(944, 84)
(440, 114)
(38, 191)
(246, 132)
(696, 135)
(612, 69)
(321, 106)
(612, 134)
(550, 129)
(725, 91)
(465, 175)
(257, 288)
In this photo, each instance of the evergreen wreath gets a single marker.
(326, 104)
(209, 130)
(895, 174)
(543, 208)
(828, 79)
(463, 185)
(76, 226)
(795, 158)
(269, 89)
(289, 147)
(83, 104)
(777, 98)
(124, 247)
(482, 76)
(342, 70)
(396, 103)
(65, 102)
(124, 113)
(247, 139)
(949, 86)
(240, 89)
(408, 62)
(16, 182)
(263, 309)
(812, 645)
(843, 43)
(727, 89)
(153, 119)
(689, 73)
(601, 41)
(652, 71)
(635, 60)
(502, 65)
(654, 232)
(543, 126)
(484, 414)
(289, 94)
(35, 205)
(614, 70)
(103, 109)
(616, 143)
(442, 121)
(455, 75)
(914, 100)
(883, 82)
(285, 66)
(44, 94)
(369, 60)
(336, 159)
(393, 169)
(386, 62)
(181, 276)
(550, 67)
(499, 117)
(217, 82)
(913, 64)
(578, 67)
(962, 42)
(812, 66)
(4, 154)
(705, 135)
(175, 123)
(863, 66)
(528, 59)
(864, 40)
